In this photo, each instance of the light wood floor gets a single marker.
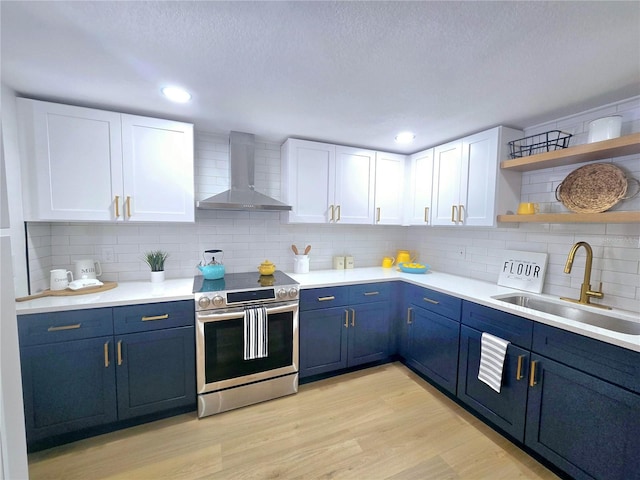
(379, 423)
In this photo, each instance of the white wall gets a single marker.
(249, 238)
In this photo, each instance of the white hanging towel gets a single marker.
(492, 353)
(256, 334)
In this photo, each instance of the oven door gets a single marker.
(220, 359)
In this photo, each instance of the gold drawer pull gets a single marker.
(353, 317)
(461, 213)
(63, 327)
(346, 319)
(119, 352)
(532, 375)
(409, 310)
(157, 317)
(367, 294)
(128, 206)
(338, 213)
(519, 375)
(106, 355)
(426, 214)
(453, 214)
(332, 213)
(378, 215)
(326, 299)
(117, 201)
(435, 302)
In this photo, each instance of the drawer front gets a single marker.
(327, 297)
(517, 330)
(608, 362)
(54, 327)
(153, 316)
(369, 292)
(436, 302)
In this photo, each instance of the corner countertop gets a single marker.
(131, 293)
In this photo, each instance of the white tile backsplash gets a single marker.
(248, 238)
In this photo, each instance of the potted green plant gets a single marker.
(155, 259)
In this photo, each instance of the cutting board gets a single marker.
(68, 292)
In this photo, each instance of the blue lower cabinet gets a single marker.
(323, 340)
(369, 335)
(506, 409)
(586, 426)
(432, 346)
(68, 386)
(155, 371)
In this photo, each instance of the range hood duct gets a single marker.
(241, 195)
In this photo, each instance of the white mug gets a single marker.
(87, 268)
(60, 279)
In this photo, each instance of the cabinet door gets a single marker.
(157, 170)
(505, 409)
(433, 347)
(72, 161)
(420, 185)
(308, 180)
(155, 371)
(389, 188)
(323, 340)
(68, 386)
(447, 171)
(355, 179)
(586, 426)
(478, 178)
(368, 333)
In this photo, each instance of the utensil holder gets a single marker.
(301, 264)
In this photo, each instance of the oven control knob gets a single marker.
(204, 302)
(282, 293)
(218, 301)
(293, 292)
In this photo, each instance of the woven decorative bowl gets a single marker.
(593, 188)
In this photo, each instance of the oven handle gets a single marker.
(216, 317)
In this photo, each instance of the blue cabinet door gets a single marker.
(506, 409)
(586, 426)
(369, 336)
(155, 371)
(433, 347)
(68, 386)
(323, 340)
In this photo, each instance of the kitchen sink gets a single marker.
(572, 313)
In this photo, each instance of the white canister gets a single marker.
(605, 128)
(60, 279)
(301, 264)
(348, 262)
(338, 263)
(87, 268)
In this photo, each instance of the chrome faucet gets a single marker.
(585, 290)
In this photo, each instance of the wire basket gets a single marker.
(543, 142)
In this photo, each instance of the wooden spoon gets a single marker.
(307, 250)
(295, 249)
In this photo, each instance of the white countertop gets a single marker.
(477, 291)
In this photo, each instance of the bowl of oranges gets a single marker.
(413, 267)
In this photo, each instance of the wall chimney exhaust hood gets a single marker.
(241, 195)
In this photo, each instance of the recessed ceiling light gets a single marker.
(405, 137)
(176, 94)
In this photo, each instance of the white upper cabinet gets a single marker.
(468, 188)
(419, 188)
(82, 164)
(389, 189)
(327, 183)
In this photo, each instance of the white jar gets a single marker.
(301, 264)
(605, 128)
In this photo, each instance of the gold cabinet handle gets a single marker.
(461, 213)
(428, 300)
(368, 294)
(119, 352)
(338, 213)
(409, 310)
(63, 327)
(519, 375)
(378, 215)
(532, 374)
(346, 319)
(332, 213)
(117, 206)
(453, 213)
(326, 299)
(106, 354)
(353, 317)
(128, 202)
(426, 214)
(156, 317)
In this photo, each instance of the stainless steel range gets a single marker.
(227, 377)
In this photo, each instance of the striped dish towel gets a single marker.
(492, 352)
(256, 334)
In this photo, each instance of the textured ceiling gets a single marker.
(354, 73)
